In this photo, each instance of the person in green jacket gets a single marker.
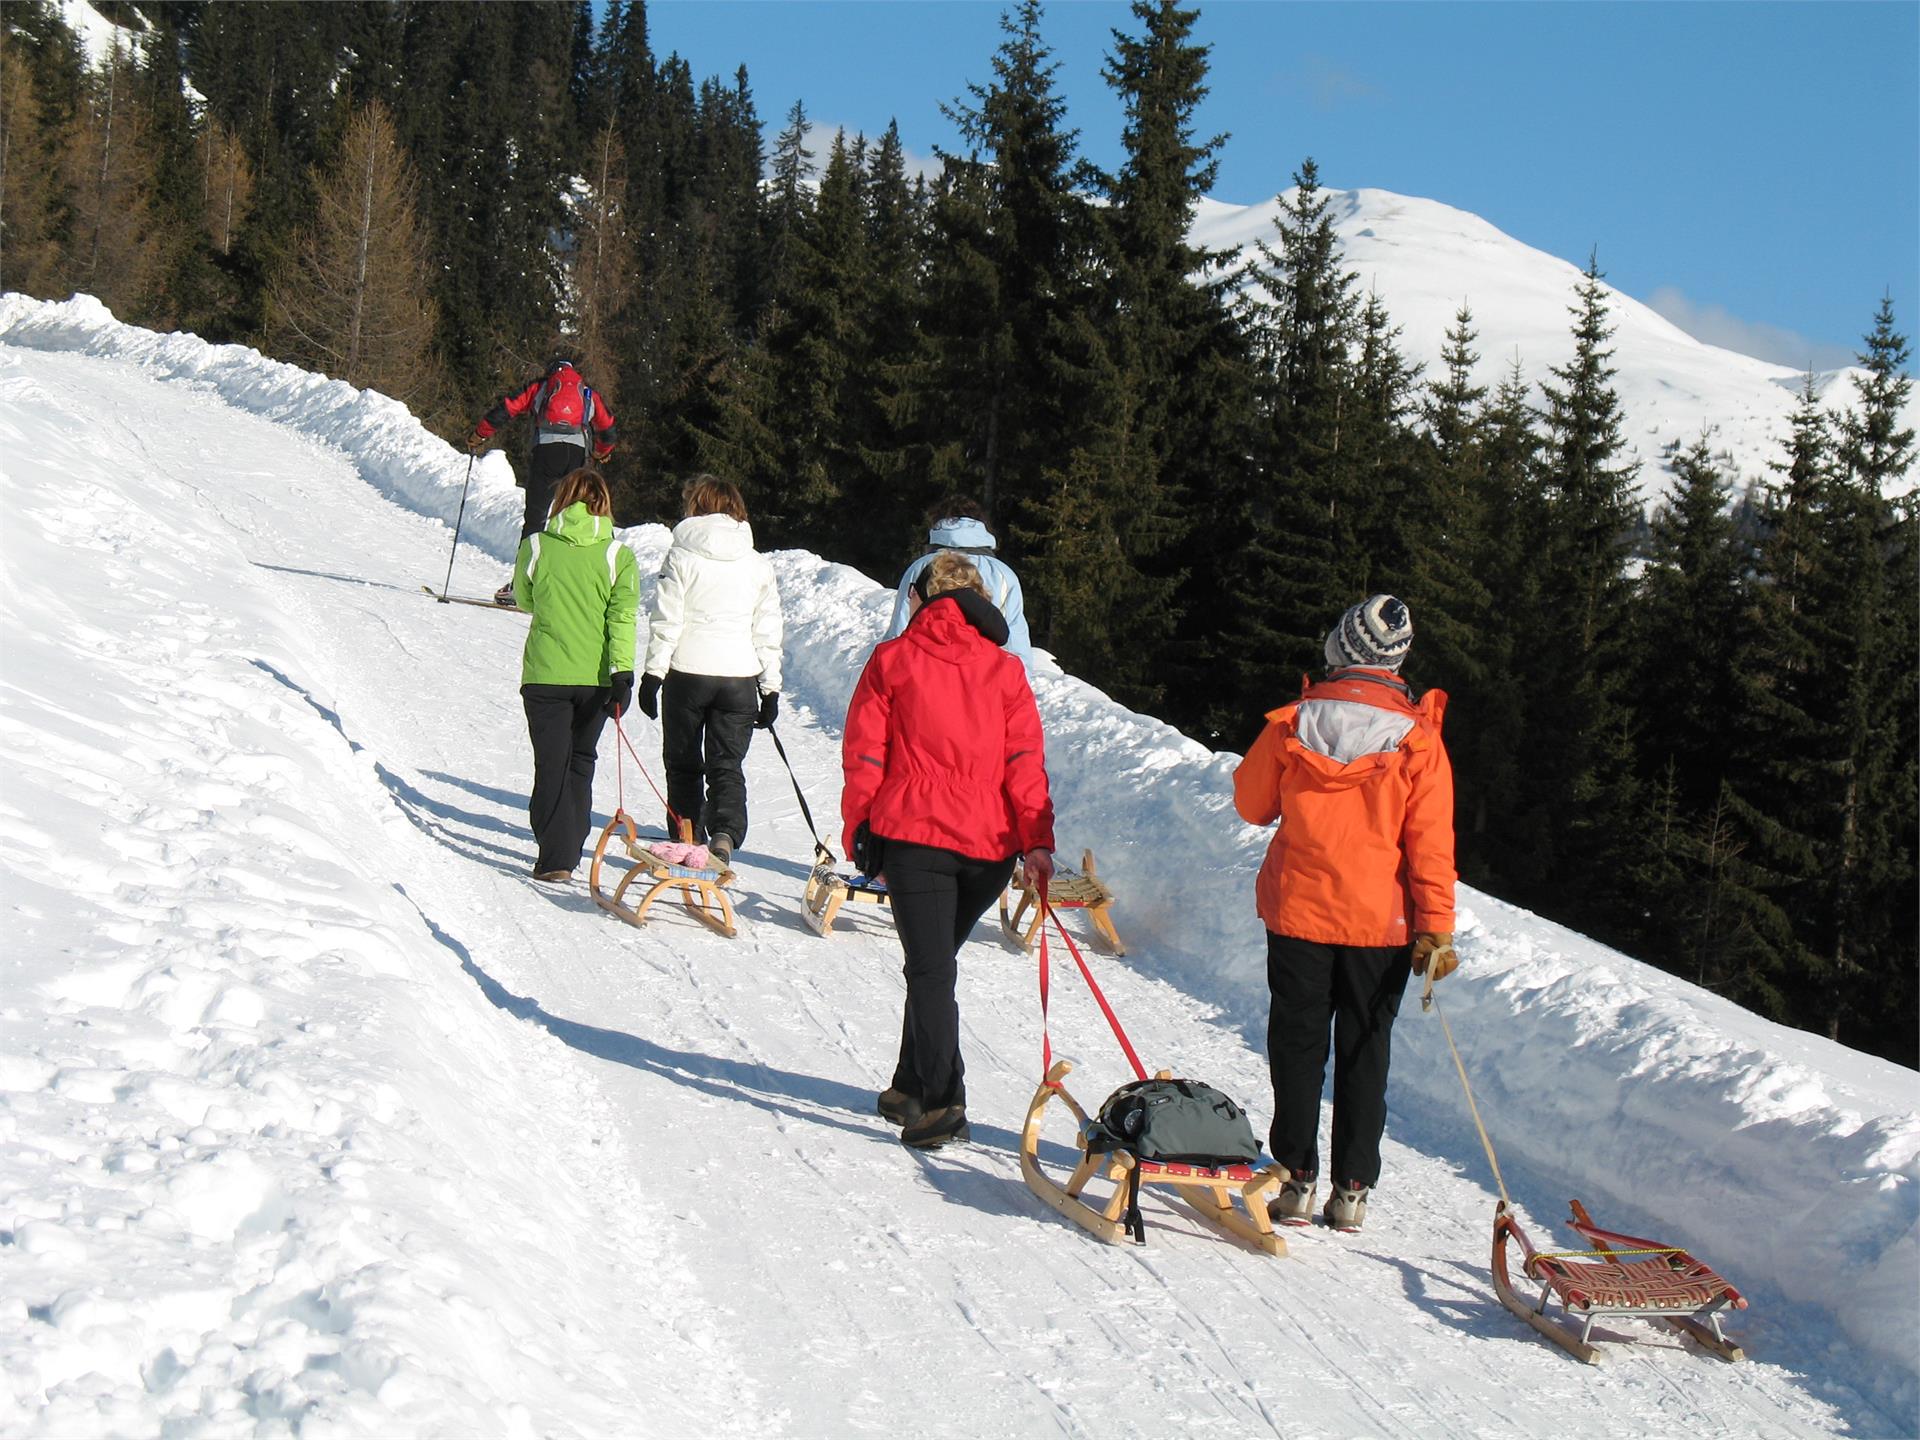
(583, 590)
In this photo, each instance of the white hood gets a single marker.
(960, 533)
(714, 537)
(715, 608)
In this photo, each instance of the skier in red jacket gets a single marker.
(570, 418)
(945, 786)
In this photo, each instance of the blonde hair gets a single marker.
(710, 495)
(584, 487)
(952, 571)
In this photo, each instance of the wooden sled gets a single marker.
(1662, 1283)
(702, 891)
(1206, 1194)
(827, 890)
(1069, 889)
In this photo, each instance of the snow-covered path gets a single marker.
(316, 1116)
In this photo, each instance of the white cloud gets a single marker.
(1715, 326)
(1325, 84)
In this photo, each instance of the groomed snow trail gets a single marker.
(587, 1179)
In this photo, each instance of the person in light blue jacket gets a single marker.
(956, 524)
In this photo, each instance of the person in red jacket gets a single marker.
(570, 418)
(945, 786)
(1357, 882)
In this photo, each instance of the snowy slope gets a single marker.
(1425, 259)
(315, 1116)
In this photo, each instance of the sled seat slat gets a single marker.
(1640, 1285)
(1069, 889)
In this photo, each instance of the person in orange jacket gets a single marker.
(1356, 893)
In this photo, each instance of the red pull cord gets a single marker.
(1046, 1042)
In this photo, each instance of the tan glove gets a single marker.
(1434, 949)
(476, 442)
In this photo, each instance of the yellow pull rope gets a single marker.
(1427, 1002)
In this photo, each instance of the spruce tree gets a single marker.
(1871, 952)
(1302, 561)
(1178, 355)
(1578, 645)
(1503, 835)
(1686, 630)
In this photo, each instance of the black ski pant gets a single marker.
(563, 722)
(551, 463)
(706, 724)
(937, 898)
(1357, 989)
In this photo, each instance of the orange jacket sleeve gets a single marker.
(863, 749)
(1256, 780)
(1426, 838)
(1026, 764)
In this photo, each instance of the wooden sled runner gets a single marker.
(1206, 1194)
(1659, 1283)
(702, 891)
(1070, 889)
(827, 890)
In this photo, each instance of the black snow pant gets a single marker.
(563, 722)
(551, 463)
(706, 724)
(937, 898)
(1357, 988)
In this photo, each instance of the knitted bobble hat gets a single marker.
(1377, 632)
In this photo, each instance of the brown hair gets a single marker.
(952, 571)
(585, 487)
(956, 506)
(710, 495)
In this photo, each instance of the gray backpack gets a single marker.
(1181, 1122)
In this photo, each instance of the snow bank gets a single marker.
(1790, 1161)
(395, 453)
(270, 1163)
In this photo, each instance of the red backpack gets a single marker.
(565, 402)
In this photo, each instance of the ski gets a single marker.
(470, 600)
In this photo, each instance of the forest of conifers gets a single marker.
(1691, 733)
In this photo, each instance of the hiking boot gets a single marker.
(1294, 1204)
(1347, 1206)
(720, 847)
(937, 1127)
(504, 595)
(553, 877)
(900, 1107)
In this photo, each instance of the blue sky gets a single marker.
(1751, 169)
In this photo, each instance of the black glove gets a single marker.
(769, 708)
(868, 852)
(650, 697)
(622, 696)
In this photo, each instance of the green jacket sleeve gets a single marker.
(623, 604)
(522, 582)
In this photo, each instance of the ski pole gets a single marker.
(456, 528)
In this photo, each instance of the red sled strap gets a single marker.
(1046, 1042)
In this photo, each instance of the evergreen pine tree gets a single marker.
(1179, 357)
(1302, 561)
(1578, 638)
(1687, 627)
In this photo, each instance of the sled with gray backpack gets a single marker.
(1180, 1135)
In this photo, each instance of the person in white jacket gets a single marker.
(713, 661)
(956, 523)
